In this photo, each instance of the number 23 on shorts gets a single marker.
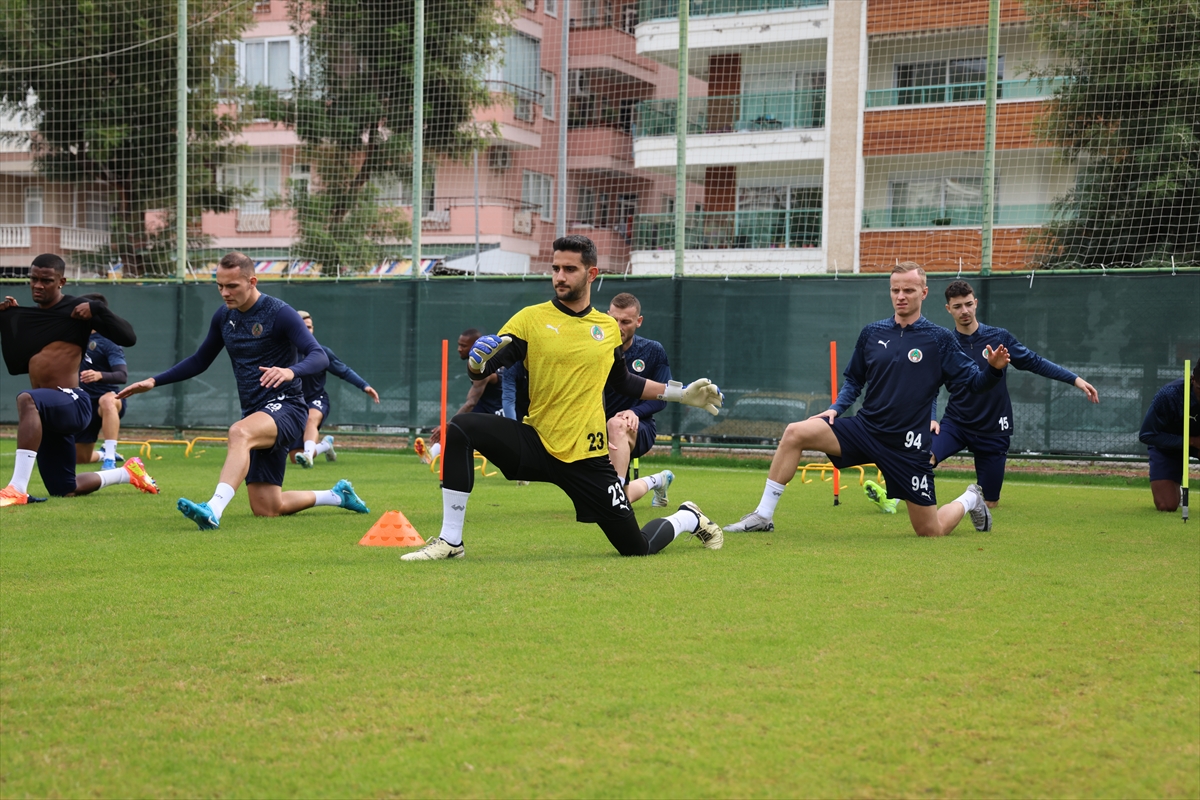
(595, 441)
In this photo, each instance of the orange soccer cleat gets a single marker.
(422, 450)
(138, 476)
(11, 496)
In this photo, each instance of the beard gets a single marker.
(572, 294)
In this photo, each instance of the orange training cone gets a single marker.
(392, 530)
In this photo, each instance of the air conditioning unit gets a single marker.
(499, 158)
(580, 85)
(531, 5)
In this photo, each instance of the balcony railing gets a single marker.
(760, 111)
(669, 9)
(731, 230)
(80, 239)
(84, 239)
(1019, 89)
(970, 216)
(614, 15)
(14, 236)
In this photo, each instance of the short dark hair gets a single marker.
(236, 260)
(626, 300)
(578, 244)
(95, 298)
(958, 289)
(50, 261)
(473, 333)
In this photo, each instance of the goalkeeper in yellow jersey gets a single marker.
(572, 353)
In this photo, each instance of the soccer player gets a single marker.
(317, 400)
(572, 353)
(983, 423)
(48, 343)
(484, 397)
(1162, 433)
(631, 427)
(262, 335)
(901, 361)
(102, 374)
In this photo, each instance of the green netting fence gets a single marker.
(764, 341)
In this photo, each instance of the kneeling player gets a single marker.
(101, 376)
(572, 353)
(1162, 433)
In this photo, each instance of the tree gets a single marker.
(97, 79)
(353, 111)
(1128, 115)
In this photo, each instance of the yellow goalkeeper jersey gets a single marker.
(569, 359)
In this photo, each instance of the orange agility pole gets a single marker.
(445, 378)
(833, 383)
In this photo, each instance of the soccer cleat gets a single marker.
(350, 501)
(436, 550)
(422, 451)
(108, 463)
(330, 454)
(119, 458)
(707, 531)
(660, 492)
(11, 496)
(304, 460)
(199, 513)
(751, 522)
(876, 494)
(138, 476)
(981, 515)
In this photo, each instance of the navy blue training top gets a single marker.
(990, 413)
(314, 385)
(102, 355)
(647, 358)
(268, 334)
(1163, 427)
(902, 369)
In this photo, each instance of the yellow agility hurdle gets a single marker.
(481, 467)
(824, 467)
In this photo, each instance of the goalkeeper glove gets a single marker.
(701, 393)
(484, 349)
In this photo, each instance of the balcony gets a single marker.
(1008, 215)
(731, 230)
(765, 111)
(498, 217)
(669, 9)
(1019, 89)
(516, 114)
(52, 237)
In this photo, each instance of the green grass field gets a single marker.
(1058, 655)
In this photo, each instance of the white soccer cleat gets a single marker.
(751, 522)
(436, 550)
(707, 531)
(981, 515)
(330, 454)
(660, 491)
(304, 460)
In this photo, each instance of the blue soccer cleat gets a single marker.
(350, 501)
(199, 513)
(108, 463)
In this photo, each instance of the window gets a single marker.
(538, 190)
(551, 7)
(270, 62)
(97, 211)
(301, 178)
(259, 173)
(547, 95)
(391, 191)
(225, 67)
(585, 206)
(955, 80)
(35, 205)
(936, 201)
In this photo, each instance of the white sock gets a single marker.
(322, 447)
(326, 497)
(968, 500)
(454, 513)
(310, 448)
(113, 477)
(683, 521)
(220, 499)
(109, 452)
(771, 494)
(652, 481)
(23, 470)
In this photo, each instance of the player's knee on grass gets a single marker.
(629, 540)
(266, 500)
(1166, 495)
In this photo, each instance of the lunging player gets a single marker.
(48, 342)
(572, 353)
(983, 423)
(901, 361)
(631, 427)
(317, 400)
(263, 335)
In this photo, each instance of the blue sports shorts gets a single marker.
(908, 475)
(290, 415)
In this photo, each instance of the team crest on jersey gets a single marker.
(91, 345)
(257, 329)
(597, 333)
(638, 365)
(914, 355)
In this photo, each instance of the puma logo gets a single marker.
(551, 327)
(232, 324)
(885, 344)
